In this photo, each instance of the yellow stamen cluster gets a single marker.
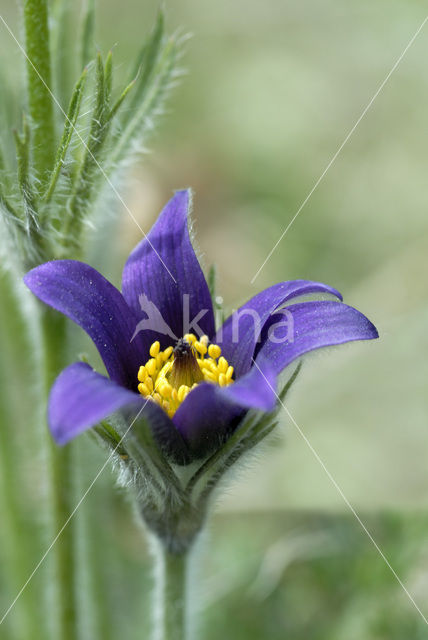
(159, 379)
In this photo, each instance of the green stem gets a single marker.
(17, 548)
(14, 568)
(172, 596)
(14, 545)
(62, 48)
(39, 84)
(61, 466)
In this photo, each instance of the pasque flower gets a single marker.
(160, 347)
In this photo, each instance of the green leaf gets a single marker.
(110, 437)
(5, 203)
(98, 115)
(252, 430)
(10, 213)
(115, 108)
(81, 196)
(140, 120)
(69, 127)
(216, 300)
(88, 29)
(103, 151)
(22, 143)
(140, 443)
(146, 61)
(91, 169)
(108, 78)
(212, 281)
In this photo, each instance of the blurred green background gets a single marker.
(270, 92)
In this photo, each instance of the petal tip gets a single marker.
(29, 279)
(61, 439)
(182, 198)
(374, 333)
(338, 295)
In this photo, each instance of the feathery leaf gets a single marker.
(69, 127)
(22, 143)
(88, 29)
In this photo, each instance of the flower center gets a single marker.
(169, 376)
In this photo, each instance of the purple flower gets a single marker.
(193, 393)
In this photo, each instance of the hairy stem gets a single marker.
(171, 595)
(61, 466)
(38, 85)
(17, 544)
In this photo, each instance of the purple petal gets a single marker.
(210, 412)
(80, 398)
(84, 295)
(163, 276)
(303, 327)
(241, 332)
(256, 389)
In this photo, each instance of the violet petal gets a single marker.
(162, 276)
(311, 325)
(240, 333)
(81, 397)
(210, 413)
(86, 297)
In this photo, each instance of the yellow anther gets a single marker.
(166, 367)
(222, 380)
(165, 390)
(167, 353)
(211, 366)
(222, 365)
(159, 361)
(209, 375)
(229, 373)
(142, 373)
(151, 367)
(200, 348)
(142, 388)
(154, 349)
(182, 392)
(170, 375)
(214, 351)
